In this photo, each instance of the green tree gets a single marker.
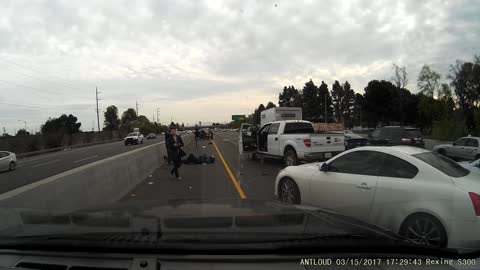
(311, 104)
(128, 117)
(337, 96)
(428, 81)
(465, 80)
(270, 105)
(347, 102)
(111, 120)
(290, 97)
(358, 110)
(324, 98)
(22, 132)
(378, 102)
(399, 77)
(257, 113)
(63, 124)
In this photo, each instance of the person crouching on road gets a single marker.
(175, 144)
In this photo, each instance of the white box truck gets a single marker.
(280, 114)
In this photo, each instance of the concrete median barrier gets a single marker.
(95, 184)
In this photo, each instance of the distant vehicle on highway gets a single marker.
(292, 140)
(463, 148)
(395, 188)
(396, 135)
(151, 136)
(8, 161)
(189, 132)
(134, 138)
(473, 166)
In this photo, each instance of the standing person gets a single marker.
(175, 144)
(169, 155)
(197, 137)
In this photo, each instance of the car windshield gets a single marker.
(414, 133)
(215, 122)
(443, 164)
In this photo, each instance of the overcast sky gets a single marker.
(206, 60)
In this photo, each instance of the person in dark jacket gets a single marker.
(197, 137)
(168, 159)
(175, 144)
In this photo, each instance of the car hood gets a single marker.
(233, 218)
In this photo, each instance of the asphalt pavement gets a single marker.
(36, 168)
(227, 178)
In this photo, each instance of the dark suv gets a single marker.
(396, 135)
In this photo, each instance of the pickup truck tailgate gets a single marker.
(326, 142)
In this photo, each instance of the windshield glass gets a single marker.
(443, 164)
(414, 133)
(126, 117)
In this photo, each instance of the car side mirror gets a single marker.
(324, 167)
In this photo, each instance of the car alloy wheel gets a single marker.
(290, 158)
(12, 166)
(425, 231)
(289, 191)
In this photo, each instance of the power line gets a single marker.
(43, 90)
(34, 71)
(35, 106)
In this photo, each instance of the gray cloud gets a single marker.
(185, 51)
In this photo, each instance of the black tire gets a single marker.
(288, 191)
(425, 230)
(290, 157)
(442, 152)
(12, 166)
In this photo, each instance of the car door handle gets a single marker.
(363, 186)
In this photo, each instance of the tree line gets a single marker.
(435, 109)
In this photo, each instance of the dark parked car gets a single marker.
(151, 136)
(396, 135)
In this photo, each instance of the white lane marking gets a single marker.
(83, 159)
(15, 192)
(46, 163)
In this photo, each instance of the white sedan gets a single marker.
(417, 193)
(8, 161)
(473, 166)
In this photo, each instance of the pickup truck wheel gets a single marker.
(289, 192)
(290, 158)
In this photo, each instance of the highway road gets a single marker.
(228, 178)
(35, 168)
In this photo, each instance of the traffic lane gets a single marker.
(33, 170)
(199, 182)
(256, 177)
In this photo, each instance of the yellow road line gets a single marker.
(232, 177)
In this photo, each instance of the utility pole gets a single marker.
(136, 104)
(98, 111)
(158, 115)
(153, 117)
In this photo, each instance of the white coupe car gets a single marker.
(8, 161)
(417, 193)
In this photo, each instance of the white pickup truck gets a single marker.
(292, 140)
